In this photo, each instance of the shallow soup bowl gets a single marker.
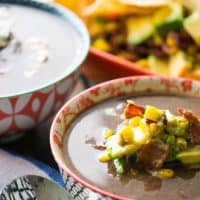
(78, 127)
(44, 46)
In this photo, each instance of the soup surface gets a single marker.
(42, 48)
(82, 157)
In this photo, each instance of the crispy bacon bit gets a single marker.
(189, 115)
(153, 154)
(92, 142)
(99, 147)
(194, 133)
(194, 128)
(133, 109)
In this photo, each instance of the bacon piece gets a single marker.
(194, 125)
(133, 109)
(153, 154)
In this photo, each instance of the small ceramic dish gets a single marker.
(80, 123)
(50, 50)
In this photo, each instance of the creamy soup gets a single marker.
(82, 157)
(42, 48)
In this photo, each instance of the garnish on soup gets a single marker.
(154, 140)
(34, 49)
(6, 23)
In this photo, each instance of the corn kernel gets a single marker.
(104, 158)
(165, 173)
(171, 42)
(101, 44)
(135, 121)
(153, 113)
(127, 149)
(108, 133)
(144, 127)
(111, 26)
(158, 40)
(120, 140)
(181, 143)
(124, 55)
(127, 135)
(153, 128)
(143, 63)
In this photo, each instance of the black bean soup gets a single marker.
(85, 133)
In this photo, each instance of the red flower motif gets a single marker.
(187, 85)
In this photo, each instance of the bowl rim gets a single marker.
(122, 63)
(59, 161)
(67, 16)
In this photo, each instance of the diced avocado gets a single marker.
(179, 64)
(120, 151)
(177, 125)
(173, 150)
(120, 165)
(190, 156)
(139, 29)
(169, 18)
(192, 26)
(158, 65)
(153, 113)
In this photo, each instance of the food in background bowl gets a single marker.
(78, 131)
(42, 46)
(164, 41)
(159, 37)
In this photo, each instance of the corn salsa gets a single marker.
(153, 139)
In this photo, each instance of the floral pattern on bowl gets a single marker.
(20, 113)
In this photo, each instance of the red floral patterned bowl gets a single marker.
(24, 110)
(79, 182)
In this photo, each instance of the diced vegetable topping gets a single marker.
(190, 156)
(153, 113)
(165, 173)
(152, 138)
(192, 25)
(164, 39)
(169, 18)
(139, 29)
